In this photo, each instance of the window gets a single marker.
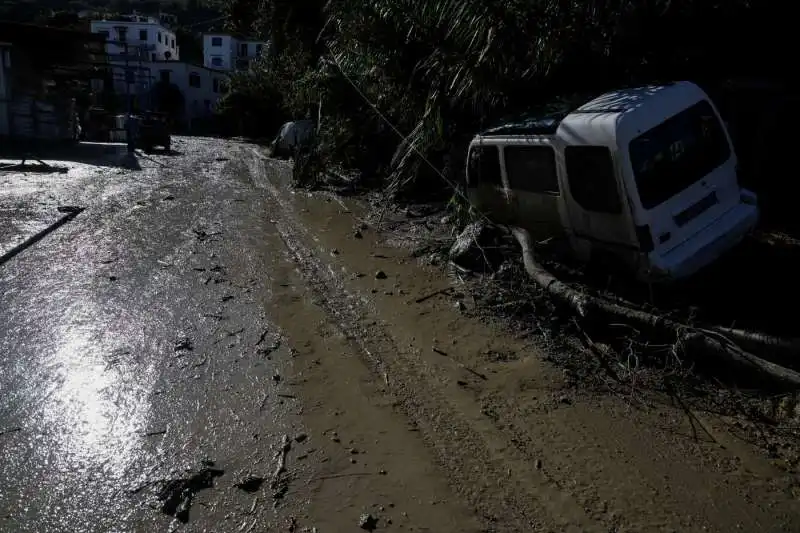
(532, 168)
(142, 35)
(216, 41)
(130, 76)
(165, 76)
(123, 34)
(194, 80)
(484, 166)
(590, 173)
(216, 61)
(677, 153)
(105, 33)
(243, 49)
(216, 85)
(152, 57)
(207, 104)
(259, 49)
(159, 36)
(173, 43)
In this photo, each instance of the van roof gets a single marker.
(604, 119)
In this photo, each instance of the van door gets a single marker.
(598, 212)
(684, 172)
(532, 175)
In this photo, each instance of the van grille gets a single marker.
(690, 213)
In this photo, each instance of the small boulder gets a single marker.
(476, 248)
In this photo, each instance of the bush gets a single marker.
(403, 84)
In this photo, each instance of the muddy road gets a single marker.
(204, 349)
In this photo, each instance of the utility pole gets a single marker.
(128, 118)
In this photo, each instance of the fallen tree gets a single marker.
(732, 346)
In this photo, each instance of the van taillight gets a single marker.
(645, 238)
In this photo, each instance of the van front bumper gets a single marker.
(706, 246)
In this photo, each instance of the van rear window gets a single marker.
(484, 166)
(677, 153)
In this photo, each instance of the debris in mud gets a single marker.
(474, 248)
(380, 274)
(168, 198)
(184, 344)
(367, 522)
(276, 378)
(302, 437)
(279, 483)
(358, 235)
(68, 209)
(249, 483)
(10, 430)
(266, 351)
(176, 495)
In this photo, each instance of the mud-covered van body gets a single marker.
(644, 176)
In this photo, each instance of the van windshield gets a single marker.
(677, 153)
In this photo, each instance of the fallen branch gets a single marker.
(432, 294)
(717, 343)
(280, 457)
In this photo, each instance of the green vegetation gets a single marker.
(438, 70)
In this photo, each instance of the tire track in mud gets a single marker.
(484, 468)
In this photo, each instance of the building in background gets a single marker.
(145, 58)
(228, 52)
(201, 87)
(46, 75)
(147, 35)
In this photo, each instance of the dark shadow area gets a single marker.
(90, 153)
(163, 152)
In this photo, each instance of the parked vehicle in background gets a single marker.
(291, 137)
(153, 130)
(645, 178)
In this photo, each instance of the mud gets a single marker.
(245, 331)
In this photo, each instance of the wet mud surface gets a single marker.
(204, 349)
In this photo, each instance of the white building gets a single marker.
(201, 87)
(224, 51)
(137, 36)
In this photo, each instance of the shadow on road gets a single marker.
(89, 153)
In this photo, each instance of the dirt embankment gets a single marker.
(527, 445)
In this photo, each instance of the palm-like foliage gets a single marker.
(439, 69)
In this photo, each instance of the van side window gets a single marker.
(590, 173)
(484, 166)
(532, 168)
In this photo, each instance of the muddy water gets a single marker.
(203, 349)
(525, 449)
(134, 346)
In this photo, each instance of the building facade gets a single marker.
(201, 87)
(136, 35)
(227, 52)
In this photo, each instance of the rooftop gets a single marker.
(547, 123)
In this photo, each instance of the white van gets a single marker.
(645, 176)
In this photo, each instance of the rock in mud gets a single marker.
(249, 483)
(476, 247)
(184, 344)
(367, 522)
(176, 495)
(380, 274)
